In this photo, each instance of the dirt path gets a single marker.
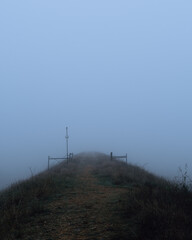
(89, 211)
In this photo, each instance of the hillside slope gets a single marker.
(95, 198)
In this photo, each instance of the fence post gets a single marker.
(126, 157)
(111, 155)
(48, 161)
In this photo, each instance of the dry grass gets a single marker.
(120, 173)
(151, 208)
(22, 200)
(154, 208)
(26, 198)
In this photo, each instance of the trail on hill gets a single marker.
(87, 211)
(93, 198)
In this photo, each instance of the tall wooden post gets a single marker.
(111, 156)
(48, 161)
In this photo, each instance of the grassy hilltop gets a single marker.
(95, 198)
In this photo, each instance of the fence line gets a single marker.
(69, 157)
(117, 157)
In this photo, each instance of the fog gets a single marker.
(117, 73)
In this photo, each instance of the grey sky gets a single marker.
(118, 73)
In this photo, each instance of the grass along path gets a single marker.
(95, 198)
(89, 210)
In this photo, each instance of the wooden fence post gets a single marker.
(111, 155)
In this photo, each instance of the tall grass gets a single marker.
(25, 199)
(152, 208)
(22, 200)
(159, 212)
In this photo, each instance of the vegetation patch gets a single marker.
(25, 199)
(122, 174)
(94, 196)
(157, 211)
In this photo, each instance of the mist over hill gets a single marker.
(118, 73)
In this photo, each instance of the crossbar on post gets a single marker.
(117, 157)
(49, 158)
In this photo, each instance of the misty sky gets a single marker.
(117, 73)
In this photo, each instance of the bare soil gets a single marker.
(89, 210)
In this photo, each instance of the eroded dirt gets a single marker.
(88, 211)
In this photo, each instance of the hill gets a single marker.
(93, 197)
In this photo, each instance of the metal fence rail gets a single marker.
(118, 157)
(69, 157)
